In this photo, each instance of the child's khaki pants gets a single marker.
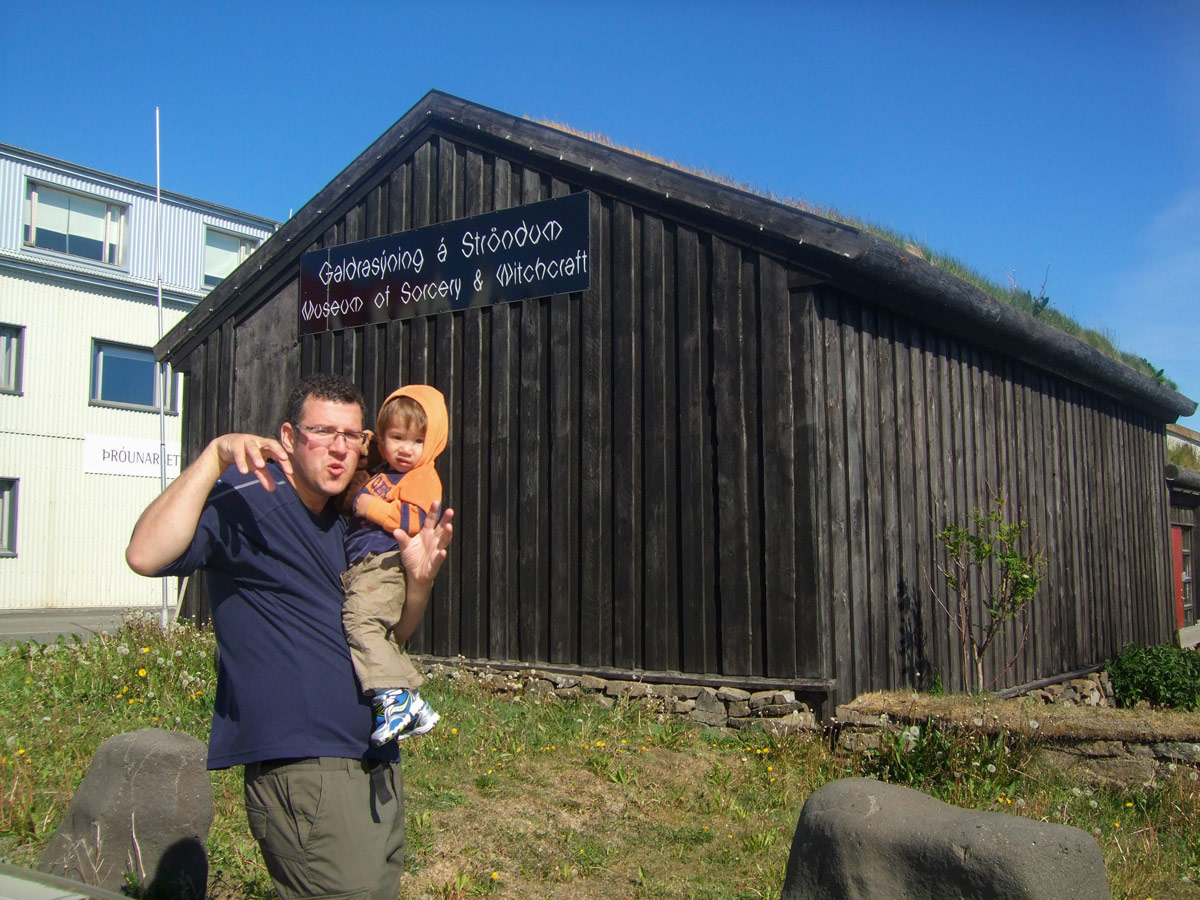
(375, 590)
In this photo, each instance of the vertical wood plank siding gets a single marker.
(1084, 471)
(696, 466)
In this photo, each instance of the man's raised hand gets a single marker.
(250, 452)
(424, 552)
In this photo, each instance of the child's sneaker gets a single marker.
(423, 720)
(400, 714)
(393, 713)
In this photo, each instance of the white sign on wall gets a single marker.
(106, 454)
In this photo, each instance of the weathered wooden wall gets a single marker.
(624, 464)
(916, 430)
(709, 462)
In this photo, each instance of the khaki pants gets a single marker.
(327, 827)
(375, 589)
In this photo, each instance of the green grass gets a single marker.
(1183, 455)
(531, 796)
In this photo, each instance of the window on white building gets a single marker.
(8, 516)
(224, 252)
(74, 224)
(12, 343)
(127, 376)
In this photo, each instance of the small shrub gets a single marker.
(992, 580)
(1164, 676)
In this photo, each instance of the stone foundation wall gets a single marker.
(1090, 690)
(1126, 762)
(776, 711)
(1099, 762)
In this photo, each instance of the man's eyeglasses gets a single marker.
(322, 435)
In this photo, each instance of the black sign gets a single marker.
(514, 254)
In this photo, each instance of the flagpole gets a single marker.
(162, 368)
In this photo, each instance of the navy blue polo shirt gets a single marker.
(285, 683)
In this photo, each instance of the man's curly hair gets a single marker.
(320, 386)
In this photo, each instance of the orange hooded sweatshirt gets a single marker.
(390, 492)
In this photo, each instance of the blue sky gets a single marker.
(1014, 136)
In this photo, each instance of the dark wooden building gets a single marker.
(727, 456)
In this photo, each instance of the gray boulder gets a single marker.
(859, 839)
(144, 808)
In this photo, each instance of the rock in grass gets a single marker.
(859, 839)
(141, 814)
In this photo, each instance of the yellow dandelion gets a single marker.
(124, 689)
(495, 876)
(1129, 805)
(772, 779)
(623, 740)
(770, 768)
(1117, 824)
(21, 752)
(454, 731)
(145, 649)
(141, 673)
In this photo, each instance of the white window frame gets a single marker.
(116, 220)
(12, 358)
(247, 244)
(99, 345)
(8, 516)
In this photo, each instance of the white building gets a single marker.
(79, 388)
(1181, 436)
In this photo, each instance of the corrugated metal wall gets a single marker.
(72, 527)
(183, 225)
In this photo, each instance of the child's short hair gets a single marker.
(403, 411)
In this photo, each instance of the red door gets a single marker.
(1177, 568)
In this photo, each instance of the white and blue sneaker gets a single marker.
(423, 720)
(400, 714)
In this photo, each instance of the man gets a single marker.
(257, 515)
